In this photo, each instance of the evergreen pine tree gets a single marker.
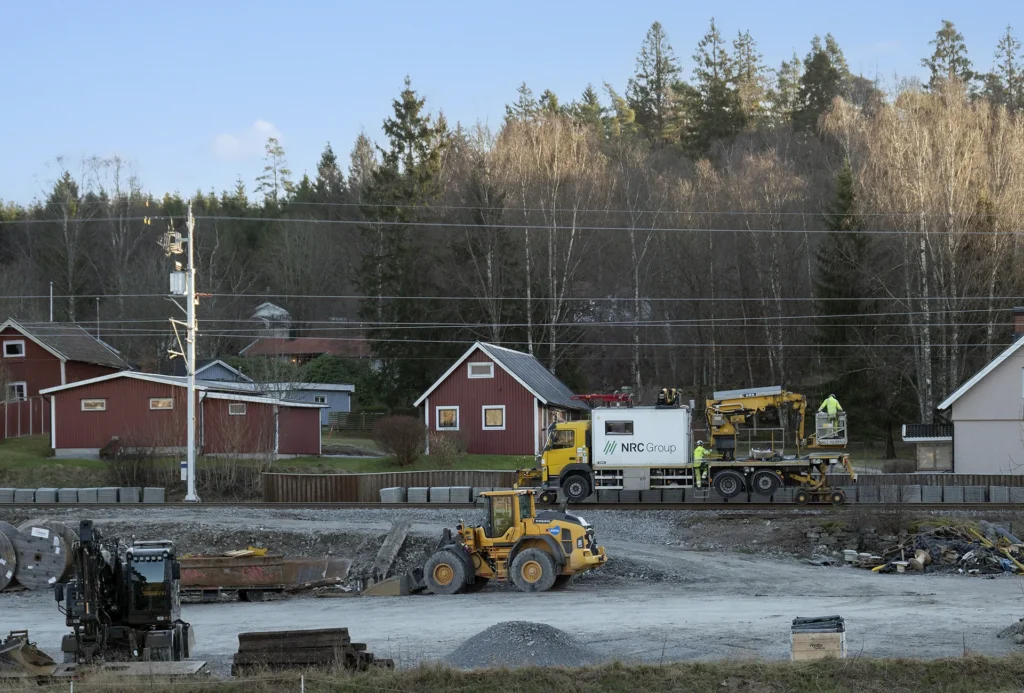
(330, 181)
(750, 78)
(1004, 86)
(786, 93)
(362, 165)
(525, 107)
(621, 122)
(820, 84)
(275, 182)
(949, 60)
(588, 111)
(715, 110)
(650, 93)
(549, 103)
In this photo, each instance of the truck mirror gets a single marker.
(58, 592)
(175, 570)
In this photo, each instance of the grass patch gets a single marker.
(959, 675)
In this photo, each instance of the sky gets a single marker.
(187, 93)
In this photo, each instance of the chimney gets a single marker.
(1018, 322)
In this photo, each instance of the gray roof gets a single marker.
(73, 343)
(538, 378)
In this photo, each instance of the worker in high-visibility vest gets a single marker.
(832, 406)
(700, 467)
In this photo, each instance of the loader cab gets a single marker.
(152, 574)
(507, 511)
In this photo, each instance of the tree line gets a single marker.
(746, 226)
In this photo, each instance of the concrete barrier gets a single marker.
(128, 495)
(629, 496)
(911, 493)
(975, 494)
(607, 495)
(67, 495)
(672, 495)
(6, 495)
(150, 494)
(952, 494)
(440, 494)
(867, 494)
(850, 492)
(1017, 494)
(24, 495)
(395, 494)
(418, 494)
(107, 494)
(46, 495)
(998, 494)
(477, 490)
(783, 495)
(651, 496)
(931, 494)
(889, 494)
(460, 494)
(89, 495)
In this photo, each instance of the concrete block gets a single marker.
(418, 494)
(975, 494)
(651, 496)
(477, 490)
(867, 494)
(24, 495)
(394, 494)
(783, 495)
(1017, 494)
(911, 493)
(129, 494)
(931, 494)
(672, 495)
(150, 494)
(88, 495)
(851, 494)
(606, 495)
(107, 494)
(629, 496)
(998, 494)
(460, 494)
(952, 494)
(6, 495)
(46, 495)
(440, 494)
(889, 494)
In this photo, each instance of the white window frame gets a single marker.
(102, 401)
(319, 399)
(11, 386)
(472, 376)
(437, 418)
(19, 342)
(161, 399)
(233, 408)
(483, 417)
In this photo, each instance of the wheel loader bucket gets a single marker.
(23, 659)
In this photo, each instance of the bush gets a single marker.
(402, 437)
(446, 449)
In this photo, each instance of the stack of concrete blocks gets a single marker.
(952, 494)
(88, 495)
(974, 494)
(6, 495)
(150, 494)
(651, 496)
(998, 494)
(395, 494)
(672, 495)
(129, 494)
(867, 494)
(24, 495)
(911, 493)
(46, 495)
(629, 496)
(107, 494)
(889, 494)
(440, 494)
(607, 495)
(418, 494)
(1017, 494)
(460, 494)
(931, 494)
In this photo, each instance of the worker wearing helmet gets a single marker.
(832, 407)
(700, 467)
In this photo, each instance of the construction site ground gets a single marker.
(679, 585)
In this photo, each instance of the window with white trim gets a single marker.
(494, 417)
(481, 370)
(319, 399)
(94, 405)
(446, 419)
(236, 409)
(17, 392)
(161, 403)
(14, 348)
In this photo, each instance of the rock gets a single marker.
(502, 645)
(1018, 639)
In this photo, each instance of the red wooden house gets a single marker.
(499, 400)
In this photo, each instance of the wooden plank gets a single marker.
(389, 549)
(272, 634)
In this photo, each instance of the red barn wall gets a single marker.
(471, 395)
(39, 369)
(127, 416)
(75, 371)
(299, 431)
(251, 433)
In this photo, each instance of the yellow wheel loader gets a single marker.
(536, 551)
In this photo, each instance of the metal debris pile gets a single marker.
(967, 549)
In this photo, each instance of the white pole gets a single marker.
(51, 301)
(190, 359)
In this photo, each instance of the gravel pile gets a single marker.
(521, 644)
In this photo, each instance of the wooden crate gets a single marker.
(807, 646)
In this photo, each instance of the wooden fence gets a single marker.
(365, 488)
(28, 417)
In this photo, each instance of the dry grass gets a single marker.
(965, 674)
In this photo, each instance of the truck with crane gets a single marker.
(637, 448)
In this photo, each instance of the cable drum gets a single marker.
(42, 557)
(8, 562)
(68, 535)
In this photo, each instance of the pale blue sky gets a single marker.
(187, 91)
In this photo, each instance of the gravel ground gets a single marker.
(520, 644)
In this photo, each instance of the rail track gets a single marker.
(582, 507)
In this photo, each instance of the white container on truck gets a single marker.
(641, 437)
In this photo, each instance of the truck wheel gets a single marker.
(576, 488)
(802, 497)
(561, 582)
(250, 596)
(765, 482)
(728, 483)
(547, 498)
(445, 573)
(533, 570)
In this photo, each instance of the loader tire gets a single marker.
(561, 582)
(445, 573)
(475, 586)
(576, 488)
(533, 570)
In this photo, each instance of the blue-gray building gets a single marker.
(211, 369)
(338, 398)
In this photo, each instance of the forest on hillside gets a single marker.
(741, 225)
